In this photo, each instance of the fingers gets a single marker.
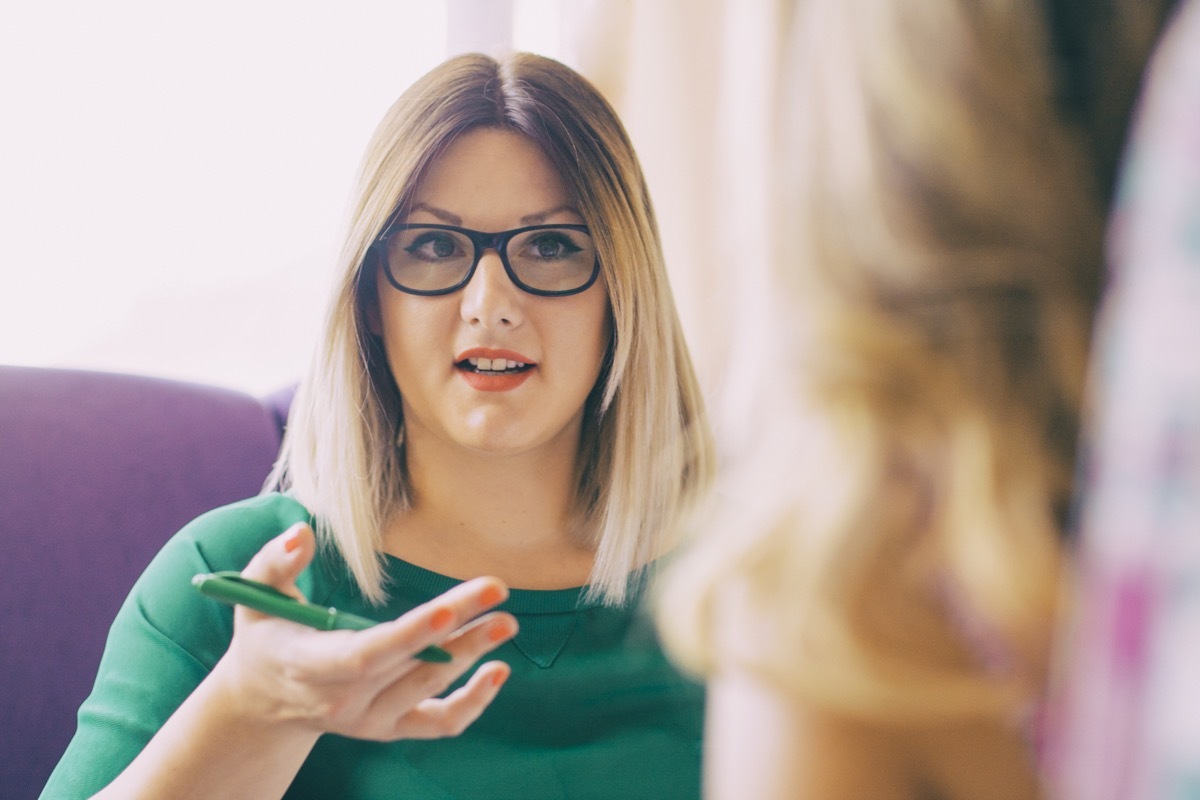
(436, 718)
(281, 560)
(435, 621)
(471, 642)
(369, 684)
(378, 657)
(408, 704)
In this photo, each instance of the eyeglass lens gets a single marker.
(545, 259)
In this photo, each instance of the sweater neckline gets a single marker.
(407, 578)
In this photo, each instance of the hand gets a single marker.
(363, 684)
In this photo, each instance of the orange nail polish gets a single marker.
(499, 678)
(292, 542)
(499, 631)
(491, 595)
(441, 619)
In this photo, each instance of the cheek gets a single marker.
(593, 334)
(409, 331)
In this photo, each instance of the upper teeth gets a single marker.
(494, 364)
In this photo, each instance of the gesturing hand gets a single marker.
(363, 684)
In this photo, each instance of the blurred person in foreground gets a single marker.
(876, 598)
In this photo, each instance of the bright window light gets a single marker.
(174, 177)
(537, 27)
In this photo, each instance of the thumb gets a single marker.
(281, 560)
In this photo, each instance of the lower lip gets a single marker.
(494, 383)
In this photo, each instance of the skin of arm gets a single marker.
(247, 728)
(764, 744)
(193, 754)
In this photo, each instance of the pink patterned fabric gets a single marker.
(1125, 721)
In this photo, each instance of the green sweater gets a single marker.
(592, 709)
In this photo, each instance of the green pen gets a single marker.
(230, 587)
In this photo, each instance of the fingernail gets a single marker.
(498, 678)
(441, 619)
(292, 541)
(500, 630)
(491, 595)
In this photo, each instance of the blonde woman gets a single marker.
(875, 603)
(499, 430)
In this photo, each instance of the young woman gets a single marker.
(876, 614)
(498, 432)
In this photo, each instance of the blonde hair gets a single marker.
(897, 549)
(645, 449)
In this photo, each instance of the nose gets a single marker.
(490, 298)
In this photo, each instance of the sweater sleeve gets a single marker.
(165, 640)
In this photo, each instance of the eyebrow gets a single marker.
(529, 219)
(538, 219)
(443, 215)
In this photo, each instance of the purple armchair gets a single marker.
(97, 470)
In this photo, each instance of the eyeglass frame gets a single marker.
(482, 242)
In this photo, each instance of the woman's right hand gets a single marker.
(362, 684)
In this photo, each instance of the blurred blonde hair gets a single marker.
(645, 451)
(891, 539)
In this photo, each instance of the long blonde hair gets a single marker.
(645, 452)
(891, 540)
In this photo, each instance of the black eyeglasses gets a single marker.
(546, 260)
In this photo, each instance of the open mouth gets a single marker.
(493, 366)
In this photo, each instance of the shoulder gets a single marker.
(806, 753)
(229, 536)
(225, 538)
(816, 752)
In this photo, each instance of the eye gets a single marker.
(434, 246)
(550, 246)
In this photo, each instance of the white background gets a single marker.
(173, 177)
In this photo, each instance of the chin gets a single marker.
(497, 444)
(509, 440)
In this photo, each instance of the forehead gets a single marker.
(488, 176)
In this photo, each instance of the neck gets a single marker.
(484, 514)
